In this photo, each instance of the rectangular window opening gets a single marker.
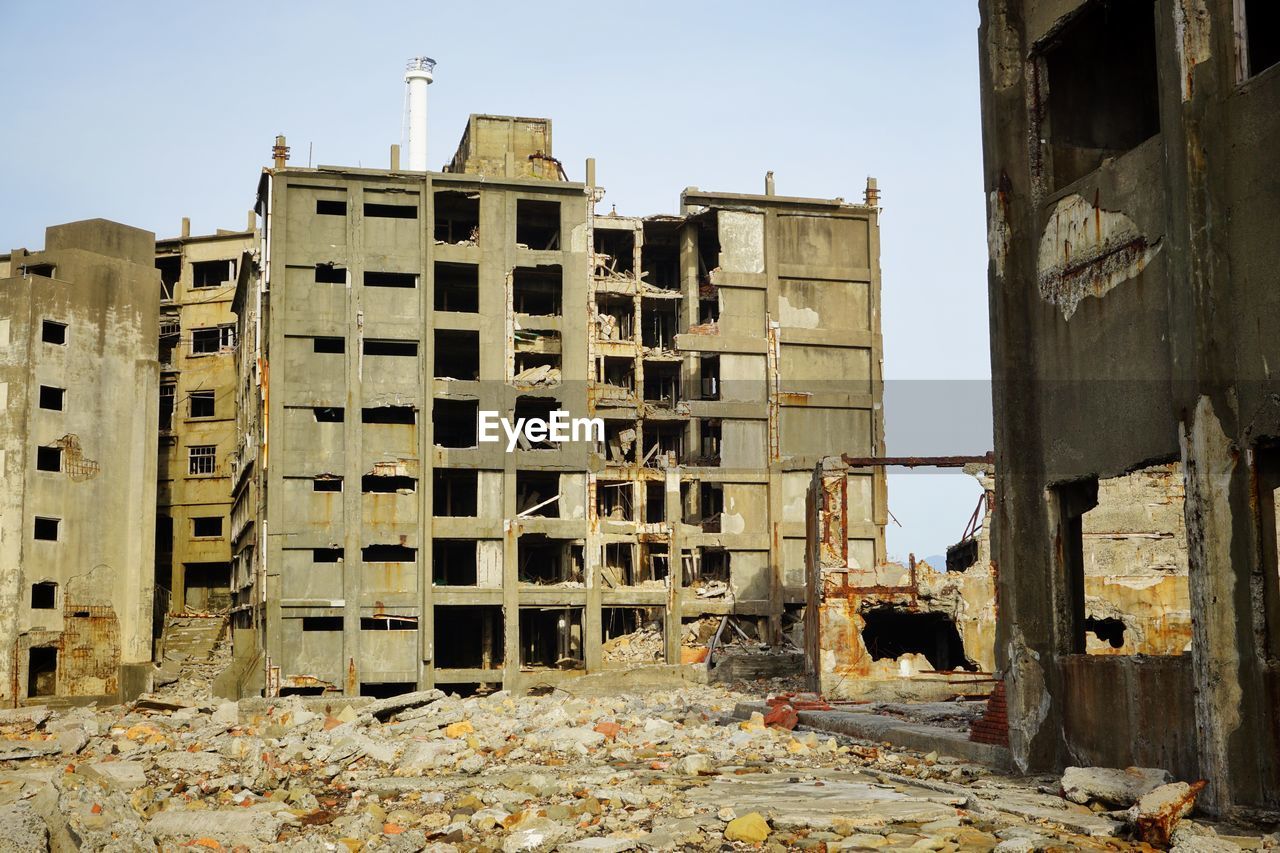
(331, 207)
(202, 404)
(655, 502)
(328, 345)
(538, 224)
(168, 396)
(388, 554)
(1103, 94)
(457, 217)
(53, 332)
(469, 637)
(46, 529)
(660, 255)
(390, 279)
(551, 637)
(390, 211)
(544, 561)
(42, 671)
(537, 291)
(388, 622)
(457, 287)
(329, 414)
(388, 415)
(662, 383)
(659, 323)
(403, 349)
(538, 494)
(321, 623)
(212, 273)
(454, 423)
(48, 458)
(387, 485)
(457, 354)
(455, 562)
(1261, 32)
(206, 526)
(615, 316)
(170, 268)
(615, 500)
(52, 398)
(455, 492)
(202, 459)
(326, 483)
(529, 408)
(615, 252)
(44, 595)
(330, 274)
(632, 635)
(326, 555)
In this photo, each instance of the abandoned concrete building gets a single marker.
(78, 384)
(378, 545)
(197, 417)
(1130, 159)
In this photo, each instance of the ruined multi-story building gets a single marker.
(78, 382)
(197, 416)
(1131, 150)
(379, 545)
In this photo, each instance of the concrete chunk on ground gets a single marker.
(1157, 813)
(117, 775)
(385, 709)
(1111, 786)
(22, 830)
(250, 826)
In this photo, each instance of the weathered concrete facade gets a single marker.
(381, 547)
(78, 379)
(197, 417)
(1130, 161)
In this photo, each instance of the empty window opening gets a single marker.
(537, 291)
(170, 268)
(703, 505)
(655, 502)
(390, 279)
(632, 635)
(703, 569)
(212, 273)
(538, 493)
(390, 211)
(457, 287)
(329, 414)
(659, 322)
(620, 442)
(615, 501)
(388, 554)
(454, 492)
(168, 396)
(660, 255)
(618, 561)
(48, 458)
(331, 207)
(661, 440)
(962, 555)
(311, 690)
(388, 622)
(537, 357)
(550, 637)
(53, 332)
(655, 562)
(330, 345)
(202, 404)
(214, 340)
(202, 459)
(662, 383)
(386, 689)
(1260, 48)
(403, 349)
(455, 562)
(709, 432)
(617, 372)
(388, 415)
(709, 367)
(457, 217)
(42, 671)
(1127, 569)
(206, 526)
(457, 354)
(543, 560)
(322, 623)
(1108, 630)
(708, 247)
(454, 422)
(615, 316)
(326, 555)
(330, 274)
(47, 528)
(888, 633)
(530, 408)
(51, 397)
(42, 270)
(615, 252)
(44, 595)
(378, 484)
(326, 483)
(538, 223)
(708, 305)
(1102, 88)
(468, 637)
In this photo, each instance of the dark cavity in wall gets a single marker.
(550, 637)
(454, 562)
(891, 632)
(468, 637)
(453, 422)
(1109, 630)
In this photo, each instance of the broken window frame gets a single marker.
(204, 274)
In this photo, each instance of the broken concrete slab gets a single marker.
(117, 775)
(1157, 813)
(1109, 786)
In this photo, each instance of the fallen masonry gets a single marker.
(664, 770)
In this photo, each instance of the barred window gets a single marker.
(200, 459)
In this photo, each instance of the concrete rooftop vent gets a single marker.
(418, 76)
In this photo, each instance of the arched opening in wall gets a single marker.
(890, 632)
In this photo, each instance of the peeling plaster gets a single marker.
(1028, 699)
(1210, 459)
(1193, 39)
(796, 318)
(997, 231)
(1004, 50)
(1086, 251)
(741, 241)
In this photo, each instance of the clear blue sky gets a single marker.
(148, 112)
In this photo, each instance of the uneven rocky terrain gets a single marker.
(669, 770)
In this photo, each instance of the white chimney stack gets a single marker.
(418, 76)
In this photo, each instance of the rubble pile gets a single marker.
(642, 646)
(428, 771)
